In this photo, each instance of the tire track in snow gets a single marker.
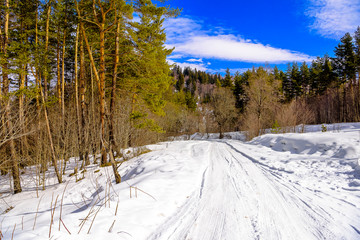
(240, 197)
(316, 219)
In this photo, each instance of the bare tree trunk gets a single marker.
(344, 105)
(102, 92)
(77, 92)
(130, 135)
(84, 155)
(5, 86)
(24, 143)
(112, 107)
(46, 49)
(221, 133)
(113, 89)
(58, 84)
(14, 161)
(63, 78)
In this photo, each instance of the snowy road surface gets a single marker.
(285, 186)
(239, 197)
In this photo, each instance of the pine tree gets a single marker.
(345, 59)
(357, 51)
(227, 81)
(305, 78)
(239, 91)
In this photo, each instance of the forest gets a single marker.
(88, 78)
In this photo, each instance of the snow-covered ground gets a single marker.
(277, 186)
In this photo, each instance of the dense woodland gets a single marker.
(88, 78)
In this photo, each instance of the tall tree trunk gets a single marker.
(344, 104)
(63, 78)
(130, 135)
(77, 90)
(8, 120)
(5, 86)
(102, 92)
(113, 89)
(84, 155)
(24, 144)
(94, 72)
(112, 142)
(58, 83)
(46, 49)
(14, 160)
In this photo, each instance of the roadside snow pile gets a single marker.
(343, 144)
(337, 127)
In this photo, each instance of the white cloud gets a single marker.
(229, 47)
(200, 66)
(190, 40)
(176, 56)
(333, 18)
(195, 60)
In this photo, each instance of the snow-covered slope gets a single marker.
(286, 186)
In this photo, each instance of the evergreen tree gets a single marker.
(305, 78)
(227, 81)
(276, 73)
(357, 51)
(345, 59)
(180, 82)
(239, 91)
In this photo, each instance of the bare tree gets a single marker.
(262, 94)
(224, 111)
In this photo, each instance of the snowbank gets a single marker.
(344, 142)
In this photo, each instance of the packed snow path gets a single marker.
(278, 186)
(239, 197)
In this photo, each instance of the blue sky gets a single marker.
(215, 35)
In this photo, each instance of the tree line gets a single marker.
(324, 91)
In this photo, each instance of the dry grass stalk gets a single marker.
(112, 225)
(52, 214)
(61, 205)
(117, 205)
(82, 223)
(65, 226)
(12, 235)
(92, 222)
(37, 210)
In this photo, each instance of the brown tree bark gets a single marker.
(63, 78)
(46, 49)
(102, 90)
(113, 89)
(7, 119)
(58, 83)
(81, 90)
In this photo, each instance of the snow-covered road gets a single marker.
(239, 197)
(278, 186)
